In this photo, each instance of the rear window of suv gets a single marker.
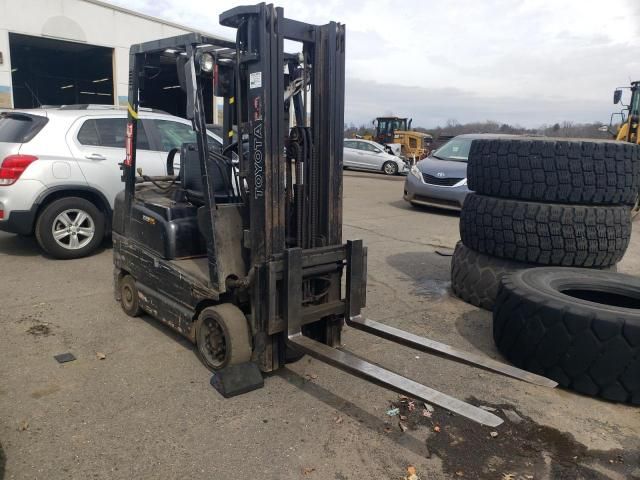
(20, 127)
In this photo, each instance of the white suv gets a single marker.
(59, 170)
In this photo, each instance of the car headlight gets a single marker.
(415, 171)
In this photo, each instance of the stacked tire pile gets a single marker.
(555, 203)
(542, 202)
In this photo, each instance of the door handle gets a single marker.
(95, 156)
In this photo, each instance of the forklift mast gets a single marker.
(273, 222)
(294, 176)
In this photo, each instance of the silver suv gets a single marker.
(59, 171)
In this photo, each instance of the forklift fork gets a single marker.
(354, 365)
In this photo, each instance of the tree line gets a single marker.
(453, 127)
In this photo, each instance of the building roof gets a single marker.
(151, 18)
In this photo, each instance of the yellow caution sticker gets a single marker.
(132, 112)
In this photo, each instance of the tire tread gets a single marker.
(545, 234)
(586, 172)
(549, 338)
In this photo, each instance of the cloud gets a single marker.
(504, 59)
(430, 107)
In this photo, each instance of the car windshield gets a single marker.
(456, 149)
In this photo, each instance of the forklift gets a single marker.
(240, 250)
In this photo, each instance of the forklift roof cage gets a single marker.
(288, 192)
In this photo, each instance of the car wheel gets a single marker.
(390, 168)
(70, 228)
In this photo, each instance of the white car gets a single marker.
(368, 155)
(60, 173)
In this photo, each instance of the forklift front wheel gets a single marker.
(292, 356)
(222, 336)
(129, 296)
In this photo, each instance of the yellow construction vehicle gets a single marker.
(413, 145)
(628, 129)
(396, 134)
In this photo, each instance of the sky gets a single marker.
(526, 62)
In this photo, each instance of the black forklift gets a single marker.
(240, 250)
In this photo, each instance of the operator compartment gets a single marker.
(167, 216)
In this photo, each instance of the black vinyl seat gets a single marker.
(191, 176)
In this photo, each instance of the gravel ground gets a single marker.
(147, 410)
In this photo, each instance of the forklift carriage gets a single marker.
(241, 250)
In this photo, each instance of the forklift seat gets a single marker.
(191, 177)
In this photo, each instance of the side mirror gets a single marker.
(617, 96)
(377, 150)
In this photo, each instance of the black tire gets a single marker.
(586, 172)
(292, 356)
(129, 300)
(49, 219)
(222, 336)
(475, 277)
(545, 234)
(390, 168)
(544, 322)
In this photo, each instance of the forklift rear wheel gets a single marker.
(129, 296)
(222, 336)
(390, 168)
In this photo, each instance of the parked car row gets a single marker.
(59, 170)
(440, 180)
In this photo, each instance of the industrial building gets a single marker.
(77, 52)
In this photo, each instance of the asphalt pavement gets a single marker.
(136, 402)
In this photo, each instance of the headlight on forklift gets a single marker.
(415, 171)
(206, 62)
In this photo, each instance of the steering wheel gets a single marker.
(170, 156)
